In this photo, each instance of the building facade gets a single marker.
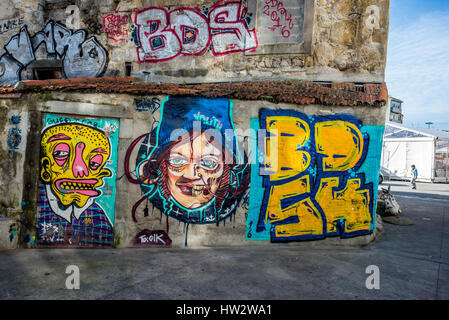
(394, 110)
(190, 123)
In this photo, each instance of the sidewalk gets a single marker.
(413, 263)
(423, 189)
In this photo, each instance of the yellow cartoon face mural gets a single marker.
(73, 159)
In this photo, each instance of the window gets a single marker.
(128, 69)
(47, 73)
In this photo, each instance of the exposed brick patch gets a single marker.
(77, 80)
(296, 92)
(58, 81)
(6, 89)
(10, 95)
(34, 83)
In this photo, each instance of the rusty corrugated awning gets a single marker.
(289, 91)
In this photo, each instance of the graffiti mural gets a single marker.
(163, 35)
(144, 104)
(280, 16)
(80, 57)
(156, 238)
(12, 231)
(10, 24)
(14, 133)
(316, 177)
(191, 166)
(117, 25)
(78, 159)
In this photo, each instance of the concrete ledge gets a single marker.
(86, 109)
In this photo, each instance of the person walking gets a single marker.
(414, 176)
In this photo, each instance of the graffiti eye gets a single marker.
(178, 162)
(95, 162)
(209, 163)
(61, 153)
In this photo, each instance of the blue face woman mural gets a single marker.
(190, 165)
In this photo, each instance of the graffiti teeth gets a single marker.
(196, 191)
(71, 185)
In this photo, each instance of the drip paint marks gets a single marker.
(77, 191)
(80, 57)
(190, 166)
(321, 181)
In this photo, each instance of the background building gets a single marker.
(427, 149)
(394, 110)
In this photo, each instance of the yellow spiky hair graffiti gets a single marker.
(78, 131)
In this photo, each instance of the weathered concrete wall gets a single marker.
(98, 169)
(13, 140)
(321, 40)
(329, 154)
(16, 13)
(8, 233)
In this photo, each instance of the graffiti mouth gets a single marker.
(84, 187)
(193, 190)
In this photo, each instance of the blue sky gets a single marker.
(418, 60)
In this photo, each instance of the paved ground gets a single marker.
(423, 190)
(413, 263)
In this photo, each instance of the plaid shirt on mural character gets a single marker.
(92, 227)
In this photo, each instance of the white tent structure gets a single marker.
(427, 149)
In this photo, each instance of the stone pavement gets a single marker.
(413, 262)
